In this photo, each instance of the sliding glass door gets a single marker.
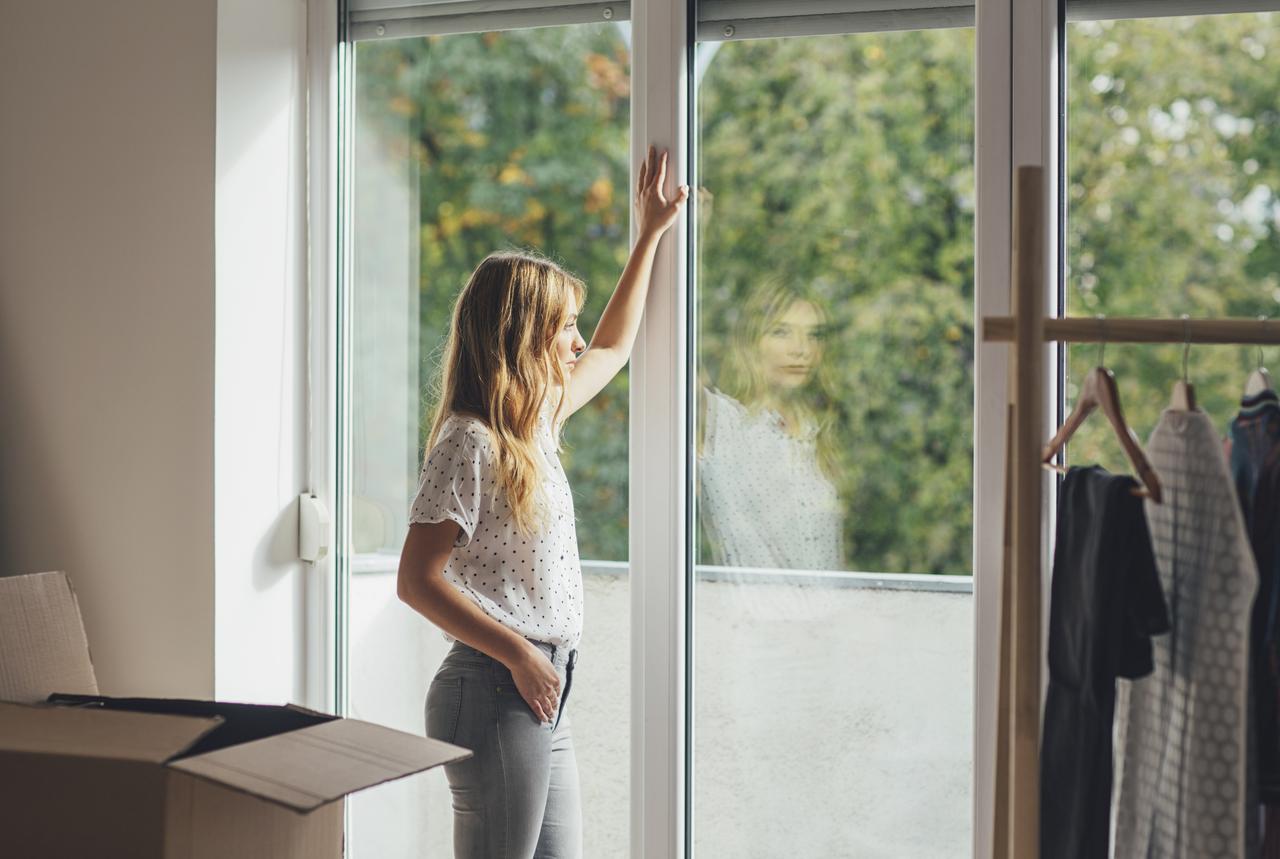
(464, 144)
(832, 616)
(785, 505)
(1155, 121)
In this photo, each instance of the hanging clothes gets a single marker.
(1255, 468)
(1181, 785)
(1106, 604)
(1254, 439)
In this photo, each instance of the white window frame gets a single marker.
(325, 124)
(1017, 100)
(659, 416)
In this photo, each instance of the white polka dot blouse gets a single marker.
(530, 583)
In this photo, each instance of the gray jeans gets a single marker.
(517, 797)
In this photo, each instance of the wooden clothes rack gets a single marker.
(1017, 782)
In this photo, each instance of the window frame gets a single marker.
(660, 423)
(1037, 136)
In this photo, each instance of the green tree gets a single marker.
(846, 163)
(521, 141)
(1173, 129)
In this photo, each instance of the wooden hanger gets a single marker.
(1099, 389)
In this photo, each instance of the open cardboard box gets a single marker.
(86, 775)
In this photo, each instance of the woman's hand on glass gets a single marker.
(655, 210)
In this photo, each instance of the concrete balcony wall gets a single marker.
(829, 721)
(832, 722)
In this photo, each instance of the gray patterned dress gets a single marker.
(1181, 782)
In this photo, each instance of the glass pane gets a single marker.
(1173, 126)
(465, 145)
(835, 446)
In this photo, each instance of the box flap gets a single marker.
(307, 768)
(43, 648)
(240, 723)
(97, 733)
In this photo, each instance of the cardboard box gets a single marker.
(86, 775)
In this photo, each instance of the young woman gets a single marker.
(492, 554)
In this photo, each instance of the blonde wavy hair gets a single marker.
(500, 365)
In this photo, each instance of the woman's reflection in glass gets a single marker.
(768, 461)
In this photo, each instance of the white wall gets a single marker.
(152, 323)
(107, 325)
(260, 403)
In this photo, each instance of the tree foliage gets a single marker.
(1173, 135)
(521, 141)
(846, 163)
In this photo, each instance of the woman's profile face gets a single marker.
(791, 347)
(568, 342)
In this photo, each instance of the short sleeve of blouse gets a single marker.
(722, 424)
(453, 482)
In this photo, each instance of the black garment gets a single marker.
(1106, 604)
(1255, 466)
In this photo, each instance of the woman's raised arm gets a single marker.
(610, 346)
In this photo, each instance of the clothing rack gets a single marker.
(1017, 781)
